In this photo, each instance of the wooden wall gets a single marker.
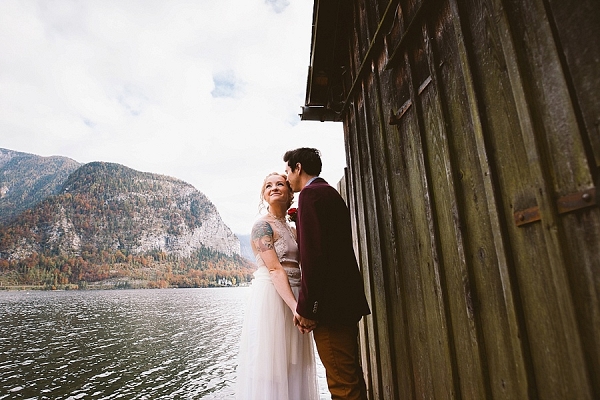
(473, 152)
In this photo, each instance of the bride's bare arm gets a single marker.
(263, 244)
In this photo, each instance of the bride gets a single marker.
(276, 360)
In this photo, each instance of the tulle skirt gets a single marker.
(275, 360)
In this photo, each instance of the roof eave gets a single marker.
(317, 105)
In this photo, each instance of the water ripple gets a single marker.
(119, 344)
(133, 344)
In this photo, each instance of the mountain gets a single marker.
(106, 222)
(27, 179)
(139, 212)
(245, 247)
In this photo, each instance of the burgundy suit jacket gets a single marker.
(332, 289)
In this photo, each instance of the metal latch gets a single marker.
(565, 204)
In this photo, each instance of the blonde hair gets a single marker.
(261, 205)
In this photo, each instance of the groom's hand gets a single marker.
(304, 325)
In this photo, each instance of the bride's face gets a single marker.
(276, 190)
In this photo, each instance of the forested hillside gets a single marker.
(27, 179)
(109, 225)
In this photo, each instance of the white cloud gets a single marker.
(226, 85)
(278, 5)
(205, 91)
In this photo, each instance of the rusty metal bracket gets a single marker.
(565, 204)
(576, 201)
(423, 85)
(395, 117)
(527, 216)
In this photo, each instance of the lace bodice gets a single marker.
(285, 245)
(286, 249)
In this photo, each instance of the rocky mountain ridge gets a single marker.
(104, 215)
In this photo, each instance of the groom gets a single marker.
(332, 291)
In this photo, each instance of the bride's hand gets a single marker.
(304, 325)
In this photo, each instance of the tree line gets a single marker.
(156, 269)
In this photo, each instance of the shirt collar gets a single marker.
(310, 180)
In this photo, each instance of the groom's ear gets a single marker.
(299, 168)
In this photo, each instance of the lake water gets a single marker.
(127, 344)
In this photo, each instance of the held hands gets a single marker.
(304, 325)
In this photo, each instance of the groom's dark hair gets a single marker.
(309, 158)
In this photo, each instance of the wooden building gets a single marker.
(472, 134)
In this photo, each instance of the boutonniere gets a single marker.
(292, 213)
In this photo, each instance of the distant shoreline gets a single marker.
(62, 288)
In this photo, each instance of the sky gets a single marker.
(206, 91)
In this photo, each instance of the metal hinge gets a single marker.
(565, 204)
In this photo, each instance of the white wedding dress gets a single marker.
(275, 360)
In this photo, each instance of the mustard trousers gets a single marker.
(338, 350)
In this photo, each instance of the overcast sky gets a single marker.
(207, 91)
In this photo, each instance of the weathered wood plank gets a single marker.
(491, 295)
(380, 213)
(583, 244)
(419, 187)
(567, 88)
(541, 301)
(577, 29)
(543, 152)
(411, 289)
(510, 368)
(350, 135)
(506, 154)
(390, 242)
(345, 188)
(451, 242)
(365, 256)
(545, 93)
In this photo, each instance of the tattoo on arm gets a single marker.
(262, 236)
